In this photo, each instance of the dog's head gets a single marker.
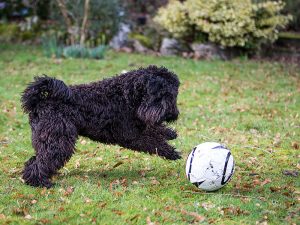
(160, 96)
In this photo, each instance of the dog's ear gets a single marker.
(153, 106)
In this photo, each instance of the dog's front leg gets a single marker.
(165, 132)
(151, 142)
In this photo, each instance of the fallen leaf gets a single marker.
(124, 182)
(77, 164)
(118, 212)
(207, 205)
(266, 181)
(118, 194)
(43, 192)
(19, 211)
(28, 217)
(83, 142)
(233, 210)
(148, 220)
(2, 216)
(256, 182)
(69, 191)
(275, 189)
(295, 145)
(142, 173)
(44, 221)
(195, 215)
(113, 184)
(154, 181)
(102, 204)
(87, 200)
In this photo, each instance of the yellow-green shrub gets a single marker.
(226, 22)
(174, 18)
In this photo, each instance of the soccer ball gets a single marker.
(210, 166)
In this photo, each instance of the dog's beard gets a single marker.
(152, 114)
(155, 114)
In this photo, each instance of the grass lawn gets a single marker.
(253, 107)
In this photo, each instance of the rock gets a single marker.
(210, 51)
(138, 47)
(206, 51)
(120, 40)
(170, 46)
(126, 49)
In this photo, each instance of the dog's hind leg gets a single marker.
(53, 140)
(152, 143)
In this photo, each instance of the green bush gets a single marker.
(225, 22)
(78, 51)
(51, 48)
(144, 40)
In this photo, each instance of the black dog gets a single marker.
(128, 110)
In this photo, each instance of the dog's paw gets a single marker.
(173, 155)
(170, 134)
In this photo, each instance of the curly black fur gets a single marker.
(128, 110)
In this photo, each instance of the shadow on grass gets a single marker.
(108, 176)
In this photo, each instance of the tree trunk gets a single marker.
(84, 22)
(64, 11)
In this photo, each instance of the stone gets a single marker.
(210, 51)
(120, 40)
(138, 47)
(170, 46)
(205, 51)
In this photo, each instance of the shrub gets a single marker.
(51, 48)
(78, 51)
(13, 32)
(174, 17)
(225, 22)
(144, 40)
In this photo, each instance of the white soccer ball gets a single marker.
(210, 166)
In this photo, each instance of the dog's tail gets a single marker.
(42, 89)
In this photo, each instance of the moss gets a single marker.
(144, 40)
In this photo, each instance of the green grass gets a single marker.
(253, 107)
